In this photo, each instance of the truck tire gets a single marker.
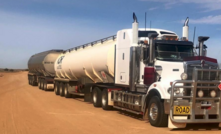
(56, 88)
(66, 93)
(96, 97)
(39, 83)
(45, 85)
(61, 89)
(29, 81)
(105, 100)
(156, 114)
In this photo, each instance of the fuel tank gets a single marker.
(43, 63)
(95, 62)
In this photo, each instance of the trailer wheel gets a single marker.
(45, 85)
(39, 83)
(156, 114)
(56, 88)
(105, 100)
(42, 84)
(29, 81)
(61, 89)
(66, 93)
(97, 97)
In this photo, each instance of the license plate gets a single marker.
(181, 110)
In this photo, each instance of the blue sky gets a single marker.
(31, 26)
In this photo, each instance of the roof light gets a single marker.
(145, 42)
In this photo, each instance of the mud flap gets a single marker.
(176, 125)
(88, 93)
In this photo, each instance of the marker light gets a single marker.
(145, 42)
(200, 93)
(213, 93)
(184, 76)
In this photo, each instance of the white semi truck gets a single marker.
(150, 72)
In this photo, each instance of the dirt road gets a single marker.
(28, 110)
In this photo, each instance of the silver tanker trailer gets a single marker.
(41, 69)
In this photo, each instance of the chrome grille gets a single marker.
(201, 75)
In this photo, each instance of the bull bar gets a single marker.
(195, 84)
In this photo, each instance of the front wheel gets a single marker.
(156, 114)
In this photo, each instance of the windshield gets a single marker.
(173, 52)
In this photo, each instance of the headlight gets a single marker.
(169, 90)
(200, 93)
(184, 76)
(213, 93)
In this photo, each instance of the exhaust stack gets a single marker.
(186, 28)
(201, 40)
(135, 31)
(152, 36)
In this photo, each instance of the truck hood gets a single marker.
(170, 70)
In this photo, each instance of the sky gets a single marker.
(28, 27)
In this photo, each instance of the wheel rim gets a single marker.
(104, 99)
(153, 111)
(95, 97)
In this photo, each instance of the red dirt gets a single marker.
(25, 109)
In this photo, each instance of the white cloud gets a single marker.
(206, 20)
(209, 5)
(153, 8)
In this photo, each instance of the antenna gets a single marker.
(145, 23)
(150, 25)
(194, 35)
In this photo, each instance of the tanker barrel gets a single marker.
(43, 63)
